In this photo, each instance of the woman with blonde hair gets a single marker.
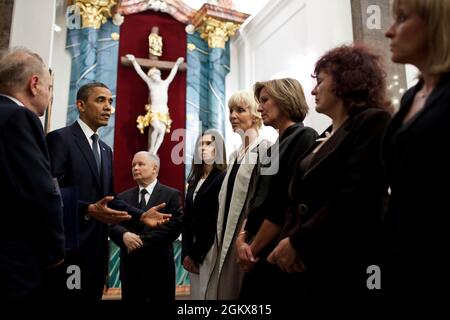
(225, 278)
(416, 164)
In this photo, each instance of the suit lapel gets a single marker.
(401, 114)
(328, 147)
(135, 197)
(86, 150)
(154, 197)
(206, 183)
(105, 163)
(240, 185)
(190, 195)
(429, 103)
(240, 191)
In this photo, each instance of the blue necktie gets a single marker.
(94, 138)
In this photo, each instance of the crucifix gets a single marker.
(153, 61)
(157, 117)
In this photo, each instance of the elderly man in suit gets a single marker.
(32, 234)
(83, 162)
(147, 267)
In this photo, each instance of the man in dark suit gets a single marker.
(147, 267)
(32, 234)
(83, 162)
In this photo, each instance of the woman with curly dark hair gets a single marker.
(338, 190)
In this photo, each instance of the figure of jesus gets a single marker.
(157, 110)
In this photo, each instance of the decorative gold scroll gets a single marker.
(94, 13)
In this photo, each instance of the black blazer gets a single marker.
(32, 234)
(200, 217)
(155, 239)
(148, 273)
(74, 166)
(418, 168)
(270, 197)
(335, 218)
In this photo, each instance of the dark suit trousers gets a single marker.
(92, 284)
(141, 279)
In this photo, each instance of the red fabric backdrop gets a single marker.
(132, 95)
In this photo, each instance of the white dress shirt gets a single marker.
(88, 132)
(149, 189)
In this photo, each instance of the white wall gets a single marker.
(33, 27)
(284, 40)
(61, 65)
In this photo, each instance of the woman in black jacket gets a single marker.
(283, 106)
(201, 206)
(338, 190)
(417, 165)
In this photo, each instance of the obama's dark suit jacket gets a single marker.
(73, 164)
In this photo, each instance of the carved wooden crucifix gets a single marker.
(153, 61)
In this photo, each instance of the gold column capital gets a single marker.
(217, 32)
(94, 13)
(216, 24)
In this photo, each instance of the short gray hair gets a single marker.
(17, 65)
(153, 157)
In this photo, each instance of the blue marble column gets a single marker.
(94, 58)
(219, 66)
(206, 107)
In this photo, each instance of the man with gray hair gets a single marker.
(147, 268)
(83, 162)
(32, 234)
